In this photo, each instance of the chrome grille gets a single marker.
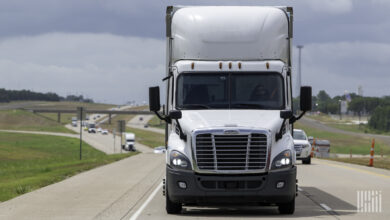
(216, 152)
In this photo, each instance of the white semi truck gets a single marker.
(229, 107)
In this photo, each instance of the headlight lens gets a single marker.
(305, 145)
(179, 161)
(283, 160)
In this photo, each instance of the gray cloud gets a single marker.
(114, 50)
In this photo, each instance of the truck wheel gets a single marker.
(287, 208)
(171, 207)
(307, 160)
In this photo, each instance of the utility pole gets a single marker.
(299, 80)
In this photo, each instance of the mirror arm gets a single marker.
(182, 135)
(294, 119)
(279, 135)
(163, 118)
(170, 74)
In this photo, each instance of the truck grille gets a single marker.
(231, 152)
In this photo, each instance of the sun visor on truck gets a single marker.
(230, 33)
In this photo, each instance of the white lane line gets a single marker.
(327, 208)
(143, 206)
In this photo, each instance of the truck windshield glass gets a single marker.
(230, 90)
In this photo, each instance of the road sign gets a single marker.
(121, 126)
(81, 113)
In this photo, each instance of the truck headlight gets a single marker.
(283, 160)
(305, 145)
(179, 161)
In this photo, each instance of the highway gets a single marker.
(131, 189)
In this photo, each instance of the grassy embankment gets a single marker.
(344, 144)
(29, 161)
(346, 124)
(24, 120)
(157, 123)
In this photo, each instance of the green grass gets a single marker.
(29, 162)
(148, 138)
(157, 123)
(25, 120)
(383, 163)
(341, 143)
(346, 124)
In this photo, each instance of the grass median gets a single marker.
(383, 163)
(29, 161)
(345, 144)
(148, 138)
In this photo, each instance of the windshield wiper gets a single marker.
(253, 105)
(195, 106)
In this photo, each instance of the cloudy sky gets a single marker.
(112, 51)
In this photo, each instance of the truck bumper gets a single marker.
(217, 189)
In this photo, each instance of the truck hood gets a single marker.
(253, 119)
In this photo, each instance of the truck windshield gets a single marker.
(299, 135)
(230, 91)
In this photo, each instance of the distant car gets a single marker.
(160, 150)
(302, 146)
(74, 123)
(99, 130)
(98, 116)
(141, 118)
(94, 118)
(146, 126)
(104, 131)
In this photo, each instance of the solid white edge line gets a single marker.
(325, 207)
(143, 206)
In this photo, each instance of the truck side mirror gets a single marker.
(154, 99)
(286, 114)
(305, 100)
(175, 114)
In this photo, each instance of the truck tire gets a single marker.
(171, 207)
(287, 208)
(307, 160)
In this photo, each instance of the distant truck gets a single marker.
(91, 128)
(228, 107)
(128, 141)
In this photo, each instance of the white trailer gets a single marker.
(229, 107)
(128, 141)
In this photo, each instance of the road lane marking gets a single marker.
(356, 169)
(327, 208)
(143, 206)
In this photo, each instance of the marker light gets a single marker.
(239, 65)
(230, 65)
(267, 65)
(192, 65)
(220, 65)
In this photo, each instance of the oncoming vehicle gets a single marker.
(302, 146)
(104, 131)
(159, 150)
(228, 107)
(128, 141)
(91, 128)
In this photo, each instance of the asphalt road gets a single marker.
(327, 190)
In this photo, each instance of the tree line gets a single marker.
(378, 108)
(27, 95)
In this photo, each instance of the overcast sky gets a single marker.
(112, 51)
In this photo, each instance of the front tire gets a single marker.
(307, 160)
(287, 208)
(170, 206)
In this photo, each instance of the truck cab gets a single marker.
(128, 141)
(228, 107)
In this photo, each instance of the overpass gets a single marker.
(90, 111)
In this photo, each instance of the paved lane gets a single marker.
(327, 190)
